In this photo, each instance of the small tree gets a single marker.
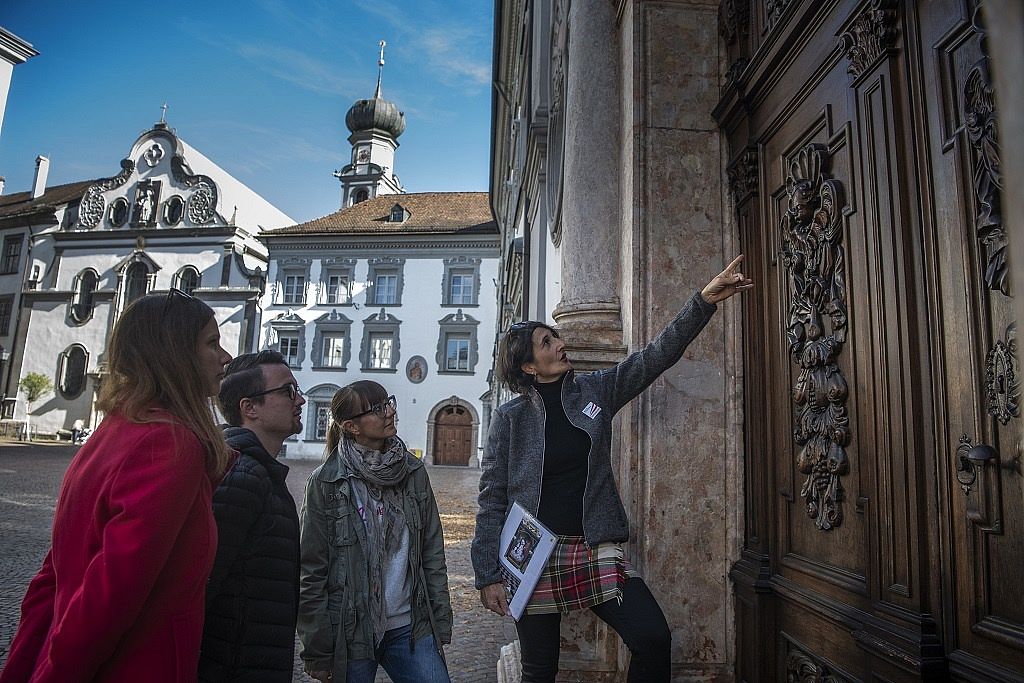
(35, 386)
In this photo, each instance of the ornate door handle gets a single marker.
(971, 461)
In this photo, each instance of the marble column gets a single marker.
(589, 311)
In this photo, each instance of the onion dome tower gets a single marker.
(375, 125)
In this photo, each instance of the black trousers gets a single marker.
(639, 621)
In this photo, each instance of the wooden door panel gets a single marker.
(985, 632)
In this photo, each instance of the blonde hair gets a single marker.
(152, 363)
(350, 400)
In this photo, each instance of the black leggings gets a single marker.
(639, 621)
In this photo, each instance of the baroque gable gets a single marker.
(155, 188)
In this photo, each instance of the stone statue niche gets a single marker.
(144, 208)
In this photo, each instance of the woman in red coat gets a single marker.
(120, 594)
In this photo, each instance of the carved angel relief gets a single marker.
(981, 127)
(813, 254)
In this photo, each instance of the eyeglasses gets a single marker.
(380, 409)
(171, 293)
(291, 389)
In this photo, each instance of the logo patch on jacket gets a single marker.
(592, 410)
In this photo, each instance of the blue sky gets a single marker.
(261, 87)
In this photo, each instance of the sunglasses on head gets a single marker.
(172, 294)
(291, 389)
(379, 409)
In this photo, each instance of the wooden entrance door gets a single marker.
(880, 349)
(453, 436)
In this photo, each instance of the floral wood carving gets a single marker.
(982, 130)
(742, 174)
(872, 35)
(773, 11)
(733, 20)
(813, 254)
(90, 211)
(800, 668)
(557, 85)
(1002, 378)
(202, 204)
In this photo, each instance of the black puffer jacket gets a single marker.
(252, 595)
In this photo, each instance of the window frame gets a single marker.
(287, 326)
(6, 316)
(78, 316)
(179, 278)
(455, 326)
(385, 266)
(379, 324)
(461, 266)
(63, 363)
(331, 323)
(11, 262)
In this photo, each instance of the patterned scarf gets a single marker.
(377, 480)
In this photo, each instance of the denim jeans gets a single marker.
(420, 664)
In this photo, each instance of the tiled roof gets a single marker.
(428, 212)
(21, 203)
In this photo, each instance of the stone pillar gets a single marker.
(589, 312)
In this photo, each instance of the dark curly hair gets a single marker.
(514, 349)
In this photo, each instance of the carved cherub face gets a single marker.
(801, 201)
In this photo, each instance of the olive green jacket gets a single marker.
(334, 617)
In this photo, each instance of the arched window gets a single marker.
(136, 281)
(188, 279)
(71, 371)
(360, 196)
(81, 303)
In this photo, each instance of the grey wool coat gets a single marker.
(514, 454)
(334, 612)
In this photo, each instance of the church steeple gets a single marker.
(375, 125)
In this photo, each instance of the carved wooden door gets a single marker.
(453, 436)
(865, 178)
(979, 389)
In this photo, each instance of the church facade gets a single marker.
(75, 255)
(394, 287)
(827, 486)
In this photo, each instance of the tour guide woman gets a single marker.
(120, 594)
(373, 583)
(560, 426)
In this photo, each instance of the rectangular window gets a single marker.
(457, 357)
(337, 289)
(322, 412)
(294, 289)
(334, 349)
(6, 308)
(290, 349)
(461, 288)
(386, 289)
(11, 254)
(380, 350)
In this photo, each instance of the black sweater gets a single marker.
(252, 594)
(565, 466)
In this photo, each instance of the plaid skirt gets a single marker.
(578, 577)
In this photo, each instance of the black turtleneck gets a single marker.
(566, 449)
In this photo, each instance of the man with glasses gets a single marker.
(252, 595)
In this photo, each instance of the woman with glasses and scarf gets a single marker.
(120, 593)
(549, 449)
(373, 585)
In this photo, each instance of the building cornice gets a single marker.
(14, 49)
(492, 243)
(107, 236)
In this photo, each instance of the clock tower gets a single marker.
(375, 125)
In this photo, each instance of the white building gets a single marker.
(75, 255)
(13, 51)
(397, 288)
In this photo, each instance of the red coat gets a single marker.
(121, 592)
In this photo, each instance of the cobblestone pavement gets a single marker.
(30, 477)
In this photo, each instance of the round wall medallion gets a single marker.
(416, 369)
